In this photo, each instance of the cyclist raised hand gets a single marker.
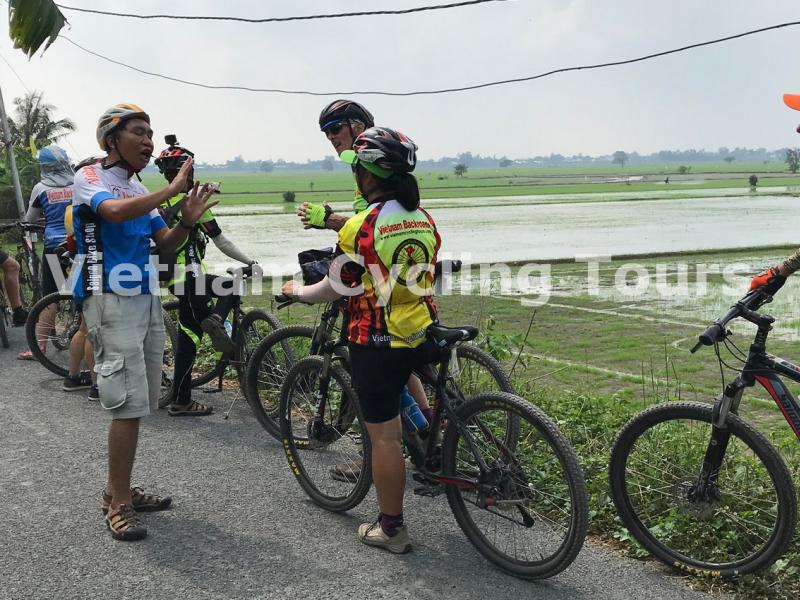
(773, 278)
(341, 121)
(194, 288)
(385, 264)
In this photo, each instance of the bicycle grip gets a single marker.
(713, 333)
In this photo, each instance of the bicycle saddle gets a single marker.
(447, 336)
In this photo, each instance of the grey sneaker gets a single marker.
(215, 328)
(346, 472)
(371, 534)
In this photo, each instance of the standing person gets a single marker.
(342, 121)
(194, 287)
(389, 319)
(52, 197)
(115, 220)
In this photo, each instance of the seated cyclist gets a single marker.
(388, 318)
(194, 288)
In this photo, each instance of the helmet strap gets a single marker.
(121, 162)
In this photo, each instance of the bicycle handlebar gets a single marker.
(246, 271)
(744, 308)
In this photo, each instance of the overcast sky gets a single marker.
(723, 95)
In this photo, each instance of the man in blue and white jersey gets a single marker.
(115, 219)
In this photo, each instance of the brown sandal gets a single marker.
(125, 525)
(142, 501)
(193, 409)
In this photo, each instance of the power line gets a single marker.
(281, 19)
(8, 64)
(439, 91)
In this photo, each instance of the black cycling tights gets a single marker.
(194, 305)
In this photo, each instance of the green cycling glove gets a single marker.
(316, 215)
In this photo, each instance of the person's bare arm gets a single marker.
(193, 206)
(125, 209)
(335, 222)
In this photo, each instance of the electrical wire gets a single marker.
(438, 91)
(8, 64)
(364, 13)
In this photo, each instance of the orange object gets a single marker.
(792, 101)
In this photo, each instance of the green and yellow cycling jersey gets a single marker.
(190, 254)
(392, 252)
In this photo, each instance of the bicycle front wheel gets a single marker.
(51, 324)
(327, 447)
(527, 509)
(724, 524)
(267, 369)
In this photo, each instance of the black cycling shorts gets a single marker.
(3, 257)
(48, 281)
(379, 375)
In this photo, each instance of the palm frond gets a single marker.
(32, 22)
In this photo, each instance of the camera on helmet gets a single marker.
(171, 139)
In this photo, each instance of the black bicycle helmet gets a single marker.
(388, 149)
(339, 110)
(172, 158)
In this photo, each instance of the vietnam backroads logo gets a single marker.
(410, 261)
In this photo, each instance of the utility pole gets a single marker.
(12, 161)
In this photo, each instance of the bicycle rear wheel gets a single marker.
(314, 450)
(51, 323)
(29, 287)
(741, 523)
(529, 512)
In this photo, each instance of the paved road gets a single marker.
(240, 527)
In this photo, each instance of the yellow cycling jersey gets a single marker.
(391, 252)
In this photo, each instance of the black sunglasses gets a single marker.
(334, 129)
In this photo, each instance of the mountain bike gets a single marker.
(511, 478)
(247, 330)
(695, 484)
(476, 370)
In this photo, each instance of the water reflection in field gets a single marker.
(520, 232)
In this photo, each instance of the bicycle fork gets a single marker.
(706, 488)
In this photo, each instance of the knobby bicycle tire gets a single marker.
(29, 285)
(3, 317)
(704, 535)
(57, 340)
(168, 362)
(267, 371)
(344, 441)
(518, 494)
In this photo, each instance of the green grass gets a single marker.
(259, 188)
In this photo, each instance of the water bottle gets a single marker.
(229, 328)
(410, 412)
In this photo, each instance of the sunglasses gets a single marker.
(334, 129)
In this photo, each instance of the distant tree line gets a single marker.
(468, 160)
